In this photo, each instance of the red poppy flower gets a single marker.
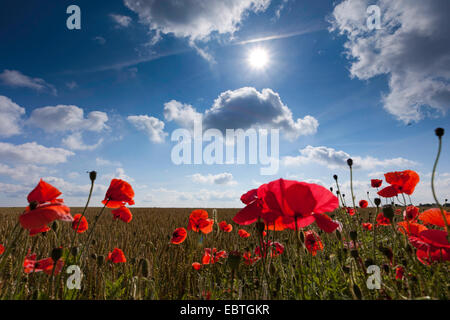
(122, 213)
(432, 245)
(36, 220)
(376, 183)
(411, 213)
(225, 227)
(213, 256)
(118, 194)
(43, 192)
(116, 256)
(2, 249)
(398, 212)
(276, 225)
(399, 273)
(248, 259)
(363, 203)
(434, 216)
(400, 182)
(313, 242)
(367, 226)
(272, 247)
(179, 235)
(411, 228)
(350, 211)
(250, 196)
(44, 265)
(243, 234)
(382, 220)
(197, 266)
(199, 222)
(34, 232)
(79, 223)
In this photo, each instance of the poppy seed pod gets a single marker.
(350, 162)
(94, 256)
(335, 177)
(353, 235)
(331, 189)
(345, 269)
(74, 251)
(56, 254)
(388, 212)
(439, 132)
(234, 258)
(93, 175)
(144, 266)
(100, 260)
(377, 201)
(357, 291)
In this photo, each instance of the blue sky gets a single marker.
(108, 97)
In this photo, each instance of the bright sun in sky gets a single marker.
(258, 58)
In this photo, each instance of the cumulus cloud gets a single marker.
(25, 173)
(244, 108)
(194, 19)
(67, 118)
(75, 142)
(120, 20)
(412, 48)
(74, 190)
(10, 115)
(224, 178)
(333, 159)
(105, 162)
(14, 78)
(152, 126)
(118, 174)
(32, 153)
(163, 197)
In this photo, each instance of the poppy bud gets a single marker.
(260, 226)
(353, 235)
(377, 201)
(439, 132)
(357, 291)
(368, 262)
(388, 212)
(100, 260)
(337, 192)
(234, 258)
(345, 269)
(343, 195)
(33, 205)
(331, 189)
(93, 242)
(54, 226)
(74, 251)
(56, 254)
(93, 175)
(354, 253)
(350, 162)
(144, 266)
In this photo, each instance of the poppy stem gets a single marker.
(433, 191)
(374, 226)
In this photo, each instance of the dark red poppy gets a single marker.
(376, 183)
(2, 249)
(273, 248)
(178, 236)
(225, 227)
(116, 256)
(411, 213)
(43, 192)
(363, 204)
(79, 223)
(400, 182)
(36, 220)
(432, 245)
(248, 259)
(243, 234)
(118, 194)
(382, 220)
(199, 222)
(350, 211)
(197, 266)
(122, 213)
(367, 226)
(434, 216)
(213, 256)
(44, 265)
(399, 273)
(313, 242)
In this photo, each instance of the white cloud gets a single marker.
(224, 178)
(152, 126)
(75, 142)
(242, 109)
(105, 162)
(32, 153)
(120, 20)
(118, 174)
(74, 190)
(10, 115)
(15, 78)
(23, 173)
(194, 19)
(333, 159)
(412, 47)
(67, 118)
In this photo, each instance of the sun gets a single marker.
(258, 58)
